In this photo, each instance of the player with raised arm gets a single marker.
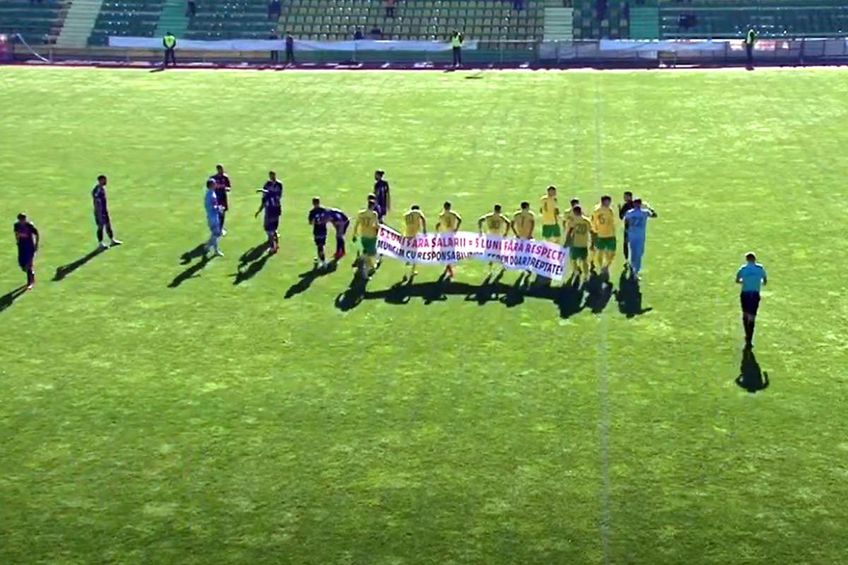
(636, 220)
(28, 240)
(272, 204)
(550, 216)
(603, 226)
(318, 220)
(496, 225)
(367, 226)
(414, 223)
(101, 213)
(579, 233)
(449, 222)
(625, 206)
(752, 276)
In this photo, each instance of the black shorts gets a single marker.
(271, 224)
(320, 238)
(102, 220)
(750, 302)
(26, 255)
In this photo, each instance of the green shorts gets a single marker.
(551, 230)
(605, 244)
(369, 246)
(578, 253)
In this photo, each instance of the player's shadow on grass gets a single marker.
(599, 291)
(9, 298)
(251, 262)
(353, 294)
(193, 270)
(66, 270)
(751, 377)
(568, 298)
(192, 254)
(629, 295)
(306, 279)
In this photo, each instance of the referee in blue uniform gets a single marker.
(752, 276)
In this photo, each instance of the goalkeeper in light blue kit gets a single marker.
(213, 217)
(636, 220)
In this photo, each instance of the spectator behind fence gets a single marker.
(191, 9)
(358, 34)
(275, 9)
(750, 40)
(456, 47)
(517, 5)
(169, 42)
(289, 49)
(376, 33)
(275, 55)
(390, 8)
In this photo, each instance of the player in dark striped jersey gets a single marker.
(341, 223)
(222, 191)
(27, 238)
(317, 219)
(382, 194)
(101, 213)
(272, 204)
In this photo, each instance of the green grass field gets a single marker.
(155, 412)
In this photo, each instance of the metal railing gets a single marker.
(606, 53)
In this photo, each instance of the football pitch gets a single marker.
(250, 410)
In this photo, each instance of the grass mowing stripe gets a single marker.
(221, 420)
(602, 365)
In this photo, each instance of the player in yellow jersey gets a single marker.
(496, 225)
(579, 231)
(550, 216)
(603, 226)
(449, 222)
(367, 226)
(524, 224)
(414, 223)
(567, 219)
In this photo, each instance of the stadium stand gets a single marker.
(127, 18)
(38, 22)
(487, 20)
(773, 18)
(491, 21)
(231, 19)
(601, 19)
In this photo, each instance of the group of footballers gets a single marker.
(28, 238)
(591, 239)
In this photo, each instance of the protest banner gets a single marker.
(539, 257)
